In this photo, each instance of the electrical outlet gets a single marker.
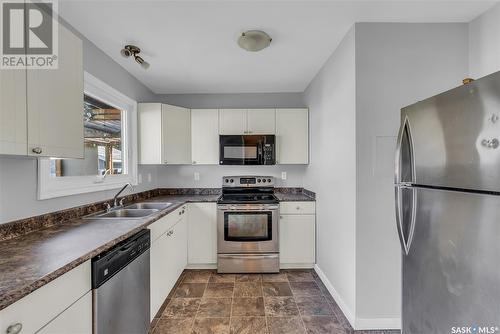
(139, 178)
(149, 177)
(283, 175)
(196, 176)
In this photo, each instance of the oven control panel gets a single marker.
(248, 181)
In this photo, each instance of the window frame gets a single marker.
(51, 187)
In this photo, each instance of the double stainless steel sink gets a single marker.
(132, 211)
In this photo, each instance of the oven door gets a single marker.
(247, 229)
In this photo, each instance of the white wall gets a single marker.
(211, 176)
(332, 171)
(484, 39)
(18, 179)
(396, 65)
(250, 100)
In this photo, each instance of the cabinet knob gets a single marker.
(37, 150)
(180, 213)
(194, 162)
(298, 208)
(15, 329)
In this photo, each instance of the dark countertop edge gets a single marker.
(19, 293)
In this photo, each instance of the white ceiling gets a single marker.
(191, 45)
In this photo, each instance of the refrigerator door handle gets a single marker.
(404, 130)
(400, 218)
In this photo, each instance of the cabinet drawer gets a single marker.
(162, 225)
(41, 306)
(297, 208)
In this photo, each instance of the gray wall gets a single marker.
(331, 98)
(396, 65)
(215, 101)
(355, 104)
(18, 176)
(211, 176)
(484, 38)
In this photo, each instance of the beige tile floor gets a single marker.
(291, 302)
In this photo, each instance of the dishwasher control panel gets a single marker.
(106, 264)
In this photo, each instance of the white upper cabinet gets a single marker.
(176, 123)
(261, 121)
(13, 130)
(205, 136)
(292, 136)
(55, 103)
(247, 121)
(41, 110)
(164, 134)
(232, 121)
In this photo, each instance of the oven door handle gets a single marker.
(248, 256)
(248, 208)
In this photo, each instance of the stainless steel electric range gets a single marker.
(248, 225)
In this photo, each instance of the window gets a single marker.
(103, 143)
(110, 141)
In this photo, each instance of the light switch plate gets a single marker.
(196, 176)
(283, 175)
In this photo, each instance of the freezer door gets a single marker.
(455, 137)
(451, 274)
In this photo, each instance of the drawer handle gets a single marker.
(15, 329)
(36, 150)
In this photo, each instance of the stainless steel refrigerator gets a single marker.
(448, 210)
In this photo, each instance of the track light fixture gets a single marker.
(133, 51)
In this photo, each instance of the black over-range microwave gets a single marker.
(247, 150)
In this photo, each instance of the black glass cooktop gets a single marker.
(247, 198)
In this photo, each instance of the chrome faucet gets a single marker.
(115, 199)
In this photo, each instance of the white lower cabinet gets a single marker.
(297, 237)
(202, 234)
(168, 258)
(77, 319)
(63, 302)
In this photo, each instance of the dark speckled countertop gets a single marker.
(29, 261)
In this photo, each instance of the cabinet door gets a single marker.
(292, 136)
(76, 319)
(55, 103)
(160, 272)
(232, 121)
(297, 239)
(261, 121)
(13, 133)
(202, 233)
(149, 133)
(179, 238)
(176, 123)
(205, 136)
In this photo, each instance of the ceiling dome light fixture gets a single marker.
(133, 51)
(254, 40)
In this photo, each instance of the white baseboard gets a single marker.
(202, 266)
(357, 323)
(296, 265)
(349, 314)
(377, 323)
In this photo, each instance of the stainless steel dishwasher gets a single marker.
(120, 287)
